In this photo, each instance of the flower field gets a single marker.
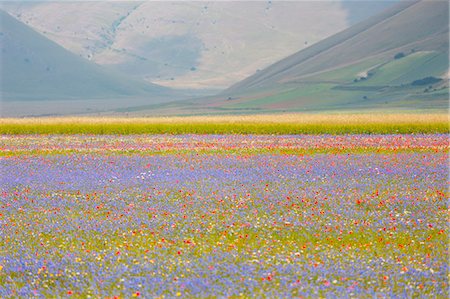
(100, 216)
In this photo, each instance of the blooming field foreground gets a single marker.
(224, 215)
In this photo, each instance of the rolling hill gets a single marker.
(37, 71)
(397, 59)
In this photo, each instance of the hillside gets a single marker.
(186, 44)
(396, 59)
(36, 71)
(33, 67)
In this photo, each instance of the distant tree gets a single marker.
(426, 81)
(399, 55)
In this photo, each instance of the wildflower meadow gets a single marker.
(278, 216)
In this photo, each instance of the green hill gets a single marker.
(375, 64)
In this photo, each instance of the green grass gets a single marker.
(348, 73)
(295, 93)
(407, 69)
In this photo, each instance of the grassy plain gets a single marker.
(406, 123)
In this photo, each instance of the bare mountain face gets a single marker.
(185, 44)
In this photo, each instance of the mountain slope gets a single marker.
(373, 64)
(410, 25)
(184, 44)
(35, 68)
